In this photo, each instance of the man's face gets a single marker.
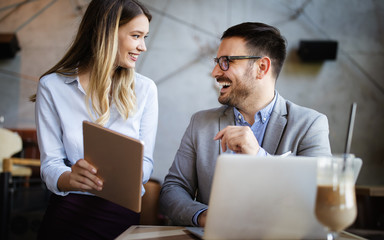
(237, 83)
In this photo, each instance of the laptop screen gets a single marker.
(268, 197)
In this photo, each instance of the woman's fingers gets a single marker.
(83, 176)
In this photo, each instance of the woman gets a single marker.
(94, 81)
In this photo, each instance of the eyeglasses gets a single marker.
(223, 61)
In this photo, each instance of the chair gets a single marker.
(21, 198)
(4, 192)
(11, 143)
(150, 204)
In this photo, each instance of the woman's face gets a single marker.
(132, 41)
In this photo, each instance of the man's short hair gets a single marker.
(261, 40)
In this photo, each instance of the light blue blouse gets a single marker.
(60, 111)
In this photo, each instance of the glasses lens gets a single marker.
(223, 62)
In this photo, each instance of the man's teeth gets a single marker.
(225, 84)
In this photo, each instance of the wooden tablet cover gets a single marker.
(119, 162)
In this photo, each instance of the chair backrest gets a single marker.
(10, 143)
(30, 145)
(150, 204)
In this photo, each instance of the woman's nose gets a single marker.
(142, 47)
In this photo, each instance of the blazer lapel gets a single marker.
(226, 119)
(275, 126)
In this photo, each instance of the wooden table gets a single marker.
(180, 233)
(371, 191)
(156, 232)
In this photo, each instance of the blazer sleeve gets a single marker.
(315, 141)
(178, 193)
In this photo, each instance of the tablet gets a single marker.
(119, 163)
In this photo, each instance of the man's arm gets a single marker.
(316, 140)
(177, 196)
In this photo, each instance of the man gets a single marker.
(255, 119)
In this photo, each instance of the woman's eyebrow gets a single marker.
(140, 32)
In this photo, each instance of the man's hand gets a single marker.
(239, 139)
(82, 178)
(202, 218)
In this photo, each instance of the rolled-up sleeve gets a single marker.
(49, 135)
(148, 130)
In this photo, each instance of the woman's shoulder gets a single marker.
(144, 82)
(55, 78)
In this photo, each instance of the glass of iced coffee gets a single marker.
(335, 206)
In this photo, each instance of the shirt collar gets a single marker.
(262, 115)
(73, 79)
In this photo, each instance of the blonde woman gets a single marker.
(94, 81)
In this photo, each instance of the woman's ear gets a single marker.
(264, 66)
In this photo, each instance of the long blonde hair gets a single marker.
(95, 49)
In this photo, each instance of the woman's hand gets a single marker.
(82, 177)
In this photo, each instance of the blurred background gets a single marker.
(183, 40)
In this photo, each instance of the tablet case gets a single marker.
(119, 162)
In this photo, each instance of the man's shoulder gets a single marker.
(301, 114)
(205, 123)
(207, 118)
(287, 107)
(296, 109)
(212, 112)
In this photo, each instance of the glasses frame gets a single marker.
(227, 58)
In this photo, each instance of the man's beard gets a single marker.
(237, 94)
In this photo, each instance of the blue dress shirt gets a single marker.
(60, 111)
(259, 126)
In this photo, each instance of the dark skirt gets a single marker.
(78, 216)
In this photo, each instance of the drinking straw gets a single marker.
(350, 129)
(349, 134)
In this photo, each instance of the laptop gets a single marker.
(263, 198)
(119, 162)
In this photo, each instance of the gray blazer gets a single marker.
(187, 186)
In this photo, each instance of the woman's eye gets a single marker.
(135, 36)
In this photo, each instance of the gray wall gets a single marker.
(183, 39)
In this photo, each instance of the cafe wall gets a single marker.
(183, 38)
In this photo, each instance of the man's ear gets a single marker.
(264, 66)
